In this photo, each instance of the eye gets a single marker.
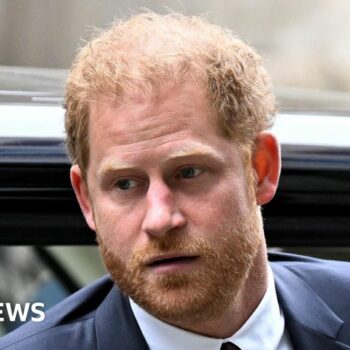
(126, 184)
(190, 172)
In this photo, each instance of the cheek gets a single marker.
(119, 229)
(218, 208)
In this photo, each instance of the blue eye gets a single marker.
(190, 172)
(126, 184)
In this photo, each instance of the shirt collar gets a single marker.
(263, 330)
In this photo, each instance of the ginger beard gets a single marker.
(204, 291)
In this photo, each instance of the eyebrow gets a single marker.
(113, 166)
(186, 151)
(193, 150)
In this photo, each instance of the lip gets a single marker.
(171, 262)
(163, 258)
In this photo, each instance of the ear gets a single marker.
(267, 166)
(82, 194)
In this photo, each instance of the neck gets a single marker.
(244, 304)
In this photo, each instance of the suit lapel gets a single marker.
(311, 324)
(306, 339)
(116, 326)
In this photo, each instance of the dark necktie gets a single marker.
(229, 346)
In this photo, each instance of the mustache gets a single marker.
(171, 245)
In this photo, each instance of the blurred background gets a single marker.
(305, 43)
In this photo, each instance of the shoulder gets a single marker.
(313, 269)
(71, 319)
(304, 265)
(328, 278)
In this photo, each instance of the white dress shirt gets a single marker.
(264, 330)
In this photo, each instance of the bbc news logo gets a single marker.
(19, 312)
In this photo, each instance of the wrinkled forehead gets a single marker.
(139, 118)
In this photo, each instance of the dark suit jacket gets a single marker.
(314, 295)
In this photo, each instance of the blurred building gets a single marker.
(305, 43)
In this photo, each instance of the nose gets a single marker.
(162, 214)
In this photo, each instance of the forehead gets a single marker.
(144, 117)
(148, 132)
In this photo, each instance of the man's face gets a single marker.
(177, 224)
